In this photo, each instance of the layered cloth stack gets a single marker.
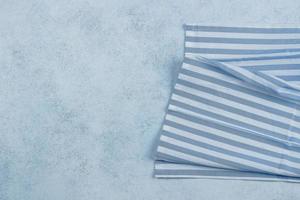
(234, 111)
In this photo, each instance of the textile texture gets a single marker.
(234, 109)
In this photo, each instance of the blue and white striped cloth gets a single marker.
(234, 112)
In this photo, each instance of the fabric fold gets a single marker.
(234, 109)
(282, 88)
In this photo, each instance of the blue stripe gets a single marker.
(215, 173)
(260, 57)
(271, 67)
(242, 40)
(240, 29)
(171, 159)
(290, 77)
(238, 51)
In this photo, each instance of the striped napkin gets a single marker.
(234, 111)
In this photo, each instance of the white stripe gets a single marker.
(233, 56)
(171, 166)
(266, 62)
(273, 179)
(240, 46)
(287, 72)
(243, 35)
(295, 82)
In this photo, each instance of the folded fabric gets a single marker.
(234, 109)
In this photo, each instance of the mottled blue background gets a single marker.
(83, 88)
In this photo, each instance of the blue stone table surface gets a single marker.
(83, 89)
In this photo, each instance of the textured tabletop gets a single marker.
(83, 89)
